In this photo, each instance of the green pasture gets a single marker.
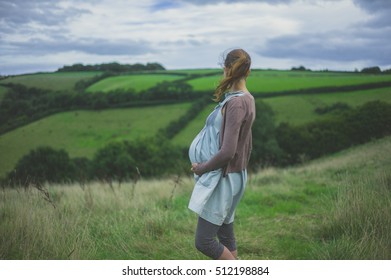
(187, 134)
(294, 109)
(51, 81)
(205, 71)
(137, 82)
(334, 208)
(299, 109)
(271, 80)
(81, 133)
(208, 83)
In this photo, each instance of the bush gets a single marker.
(113, 162)
(156, 156)
(41, 165)
(371, 70)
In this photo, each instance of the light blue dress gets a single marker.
(214, 197)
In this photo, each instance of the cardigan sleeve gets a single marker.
(233, 118)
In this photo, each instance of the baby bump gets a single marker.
(204, 145)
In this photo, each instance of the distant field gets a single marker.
(259, 80)
(205, 83)
(186, 135)
(299, 109)
(137, 82)
(271, 80)
(296, 109)
(197, 71)
(81, 133)
(52, 81)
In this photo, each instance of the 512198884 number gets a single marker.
(236, 271)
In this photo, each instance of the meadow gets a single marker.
(294, 109)
(81, 133)
(138, 82)
(51, 81)
(261, 81)
(338, 207)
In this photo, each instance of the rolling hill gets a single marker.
(82, 132)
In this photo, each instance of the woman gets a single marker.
(219, 156)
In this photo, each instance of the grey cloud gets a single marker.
(369, 40)
(20, 12)
(270, 2)
(91, 46)
(355, 47)
(380, 9)
(205, 2)
(373, 5)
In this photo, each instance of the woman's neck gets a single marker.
(239, 86)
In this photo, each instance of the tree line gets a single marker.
(366, 70)
(116, 162)
(112, 67)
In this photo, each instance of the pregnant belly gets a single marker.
(204, 146)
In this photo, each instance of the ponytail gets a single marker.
(237, 65)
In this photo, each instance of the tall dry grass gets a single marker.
(338, 207)
(90, 222)
(359, 225)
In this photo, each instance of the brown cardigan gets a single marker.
(235, 137)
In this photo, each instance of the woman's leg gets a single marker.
(227, 238)
(206, 242)
(227, 255)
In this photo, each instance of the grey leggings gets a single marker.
(205, 239)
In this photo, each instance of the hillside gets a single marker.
(138, 82)
(81, 132)
(296, 109)
(337, 207)
(51, 81)
(266, 81)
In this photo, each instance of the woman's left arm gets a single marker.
(234, 114)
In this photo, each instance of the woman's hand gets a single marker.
(194, 168)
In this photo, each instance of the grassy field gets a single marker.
(337, 207)
(259, 80)
(137, 82)
(296, 109)
(81, 133)
(299, 109)
(51, 81)
(272, 81)
(196, 71)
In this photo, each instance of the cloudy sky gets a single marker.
(44, 35)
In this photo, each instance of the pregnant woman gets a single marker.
(219, 155)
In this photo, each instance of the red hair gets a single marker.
(237, 66)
